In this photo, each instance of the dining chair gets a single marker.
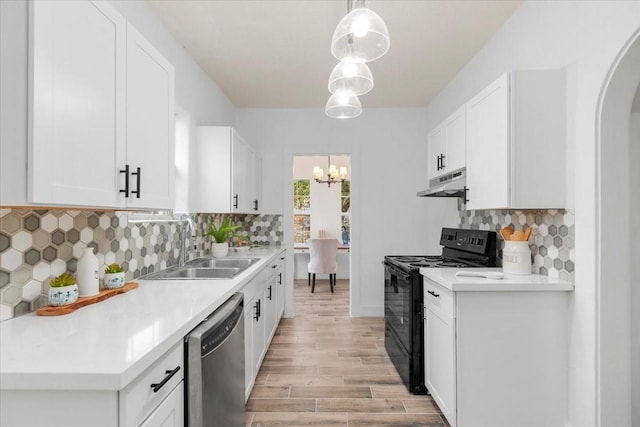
(322, 260)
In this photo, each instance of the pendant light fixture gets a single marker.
(361, 36)
(351, 75)
(343, 104)
(334, 176)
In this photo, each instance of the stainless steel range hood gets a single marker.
(450, 184)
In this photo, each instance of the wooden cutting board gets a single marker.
(51, 310)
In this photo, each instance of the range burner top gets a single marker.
(431, 261)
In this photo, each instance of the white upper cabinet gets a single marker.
(77, 139)
(150, 124)
(436, 148)
(225, 169)
(256, 182)
(102, 101)
(446, 145)
(516, 142)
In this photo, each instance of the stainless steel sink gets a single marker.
(204, 268)
(240, 263)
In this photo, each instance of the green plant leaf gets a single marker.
(223, 232)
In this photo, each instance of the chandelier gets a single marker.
(334, 176)
(361, 36)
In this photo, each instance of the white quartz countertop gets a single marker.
(511, 282)
(106, 345)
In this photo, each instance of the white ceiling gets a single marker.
(276, 53)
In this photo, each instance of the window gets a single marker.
(301, 210)
(345, 193)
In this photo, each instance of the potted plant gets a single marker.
(113, 276)
(221, 235)
(63, 290)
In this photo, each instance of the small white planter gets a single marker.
(219, 250)
(63, 295)
(113, 280)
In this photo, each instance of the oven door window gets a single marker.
(397, 304)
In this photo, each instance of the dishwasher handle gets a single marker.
(169, 374)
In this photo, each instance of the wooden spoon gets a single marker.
(527, 234)
(517, 236)
(506, 233)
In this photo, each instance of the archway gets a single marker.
(617, 234)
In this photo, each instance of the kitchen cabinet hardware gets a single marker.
(270, 297)
(255, 205)
(169, 374)
(279, 278)
(434, 294)
(125, 171)
(137, 191)
(235, 201)
(466, 195)
(257, 311)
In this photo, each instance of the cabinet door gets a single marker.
(256, 182)
(259, 342)
(249, 373)
(170, 413)
(279, 278)
(77, 87)
(456, 131)
(488, 147)
(440, 362)
(271, 308)
(240, 165)
(150, 123)
(436, 148)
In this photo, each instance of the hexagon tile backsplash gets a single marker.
(553, 237)
(37, 245)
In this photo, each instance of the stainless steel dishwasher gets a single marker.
(215, 368)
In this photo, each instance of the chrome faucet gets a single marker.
(189, 230)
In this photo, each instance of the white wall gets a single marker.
(388, 167)
(584, 38)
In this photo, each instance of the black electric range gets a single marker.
(403, 296)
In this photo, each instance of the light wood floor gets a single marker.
(324, 368)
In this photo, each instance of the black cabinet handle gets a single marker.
(270, 298)
(434, 294)
(274, 266)
(125, 171)
(137, 173)
(235, 201)
(442, 161)
(466, 195)
(157, 386)
(279, 278)
(281, 258)
(255, 205)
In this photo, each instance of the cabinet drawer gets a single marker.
(139, 399)
(439, 300)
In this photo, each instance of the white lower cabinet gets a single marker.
(170, 413)
(136, 405)
(440, 330)
(497, 358)
(261, 317)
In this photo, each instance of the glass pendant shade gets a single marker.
(361, 36)
(352, 76)
(343, 104)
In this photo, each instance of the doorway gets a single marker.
(321, 209)
(618, 205)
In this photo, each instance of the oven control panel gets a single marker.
(477, 241)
